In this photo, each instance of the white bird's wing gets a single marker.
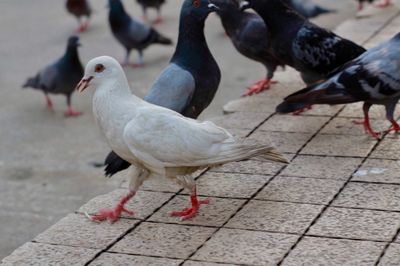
(165, 138)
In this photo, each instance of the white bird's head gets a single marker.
(99, 70)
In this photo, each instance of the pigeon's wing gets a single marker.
(48, 78)
(253, 36)
(173, 89)
(163, 137)
(317, 48)
(138, 31)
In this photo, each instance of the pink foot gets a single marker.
(259, 86)
(113, 215)
(158, 20)
(71, 112)
(49, 103)
(367, 128)
(191, 212)
(302, 110)
(384, 3)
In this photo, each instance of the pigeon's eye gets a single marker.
(196, 3)
(99, 68)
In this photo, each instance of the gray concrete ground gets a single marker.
(45, 158)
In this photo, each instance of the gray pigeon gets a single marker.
(308, 8)
(189, 82)
(372, 78)
(151, 4)
(131, 33)
(250, 36)
(61, 77)
(80, 9)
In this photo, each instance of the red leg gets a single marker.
(395, 127)
(259, 86)
(49, 103)
(366, 123)
(360, 6)
(384, 3)
(71, 112)
(158, 20)
(302, 110)
(191, 212)
(112, 215)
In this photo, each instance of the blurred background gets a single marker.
(45, 158)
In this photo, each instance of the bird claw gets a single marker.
(112, 215)
(72, 113)
(259, 86)
(188, 213)
(157, 21)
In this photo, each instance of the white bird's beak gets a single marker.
(83, 84)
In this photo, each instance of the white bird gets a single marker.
(158, 141)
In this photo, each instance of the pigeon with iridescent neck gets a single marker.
(158, 142)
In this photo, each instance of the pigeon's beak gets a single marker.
(83, 84)
(244, 5)
(212, 7)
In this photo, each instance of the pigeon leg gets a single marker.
(302, 110)
(360, 6)
(389, 115)
(159, 17)
(191, 212)
(145, 17)
(138, 175)
(259, 86)
(366, 123)
(49, 103)
(126, 59)
(140, 63)
(70, 111)
(384, 3)
(81, 27)
(113, 214)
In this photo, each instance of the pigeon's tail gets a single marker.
(32, 83)
(114, 164)
(160, 39)
(320, 93)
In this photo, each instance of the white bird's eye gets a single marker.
(99, 68)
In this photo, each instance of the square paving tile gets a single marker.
(245, 247)
(392, 256)
(45, 254)
(322, 167)
(389, 148)
(77, 230)
(332, 252)
(163, 240)
(370, 196)
(230, 185)
(346, 126)
(379, 170)
(292, 123)
(282, 141)
(339, 145)
(243, 120)
(251, 167)
(301, 189)
(205, 263)
(142, 204)
(117, 259)
(216, 213)
(357, 224)
(275, 216)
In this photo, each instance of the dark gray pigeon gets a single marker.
(61, 77)
(311, 50)
(151, 4)
(308, 8)
(131, 33)
(249, 35)
(191, 79)
(372, 78)
(80, 9)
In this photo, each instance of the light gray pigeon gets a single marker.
(60, 77)
(157, 141)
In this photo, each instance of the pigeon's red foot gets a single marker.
(113, 215)
(158, 20)
(259, 86)
(302, 110)
(367, 128)
(395, 127)
(71, 112)
(191, 212)
(49, 104)
(81, 28)
(384, 3)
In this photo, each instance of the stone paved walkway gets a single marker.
(337, 203)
